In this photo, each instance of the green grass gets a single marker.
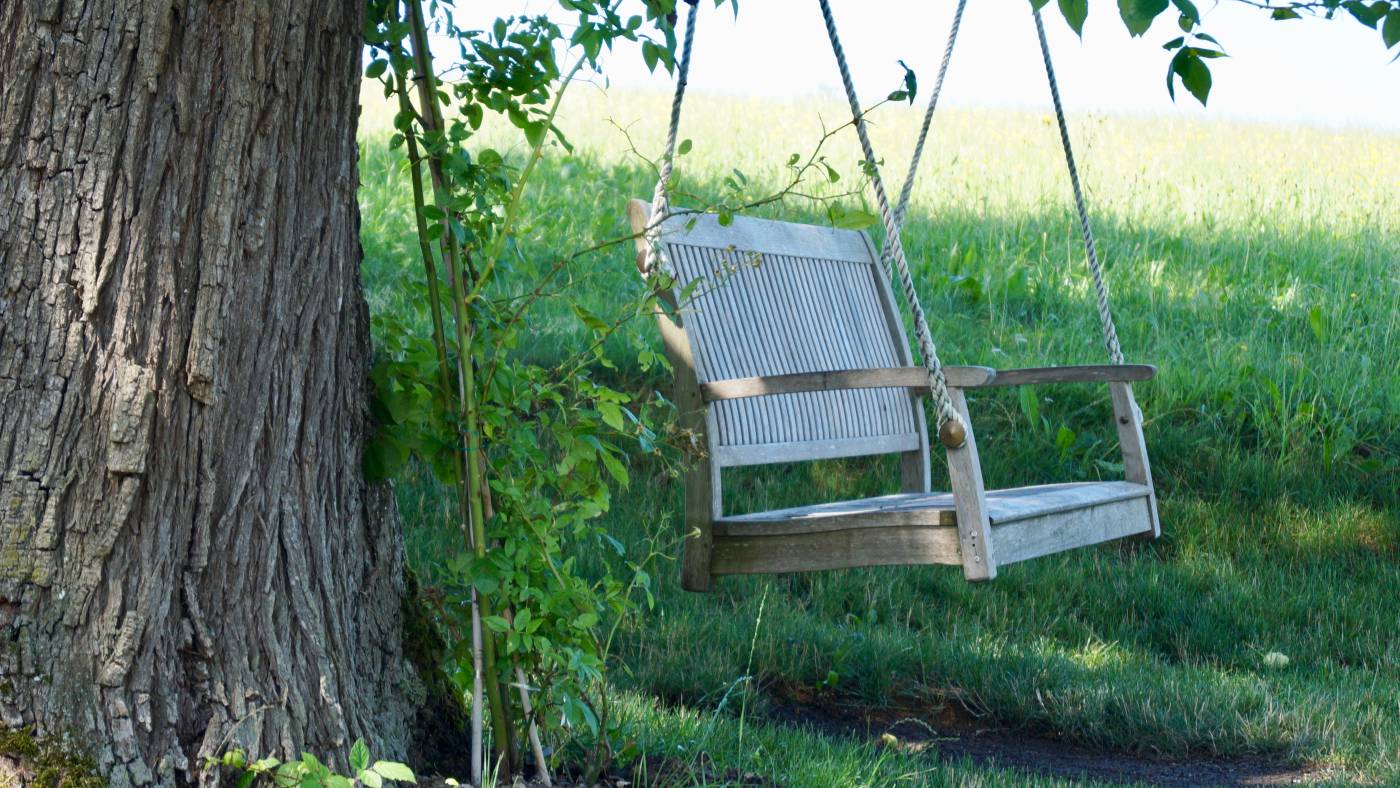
(1257, 267)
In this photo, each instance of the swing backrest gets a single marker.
(775, 298)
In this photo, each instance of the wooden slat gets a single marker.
(893, 546)
(1004, 507)
(969, 495)
(794, 315)
(1127, 418)
(894, 537)
(1085, 373)
(915, 468)
(766, 236)
(702, 479)
(885, 510)
(886, 377)
(1067, 530)
(801, 451)
(1023, 503)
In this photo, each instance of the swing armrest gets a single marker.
(878, 378)
(1084, 373)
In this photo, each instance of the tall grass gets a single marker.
(1257, 267)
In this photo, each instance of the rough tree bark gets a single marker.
(190, 557)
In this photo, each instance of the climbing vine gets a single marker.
(531, 450)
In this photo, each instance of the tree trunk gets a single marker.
(191, 558)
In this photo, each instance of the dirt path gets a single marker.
(958, 736)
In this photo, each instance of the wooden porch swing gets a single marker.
(794, 350)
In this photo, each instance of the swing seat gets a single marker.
(921, 528)
(787, 345)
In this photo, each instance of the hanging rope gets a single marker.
(908, 189)
(951, 430)
(660, 197)
(1110, 333)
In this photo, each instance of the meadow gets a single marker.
(1258, 267)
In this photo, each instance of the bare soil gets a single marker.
(956, 735)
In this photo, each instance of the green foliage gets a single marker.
(1275, 450)
(1193, 49)
(309, 772)
(531, 452)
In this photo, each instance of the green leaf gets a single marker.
(1368, 15)
(612, 415)
(371, 779)
(1138, 14)
(1064, 439)
(359, 755)
(849, 219)
(474, 113)
(1188, 10)
(376, 68)
(391, 770)
(683, 148)
(1194, 74)
(615, 468)
(1390, 32)
(911, 82)
(1285, 13)
(1318, 323)
(1075, 12)
(1039, 4)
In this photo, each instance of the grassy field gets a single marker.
(1257, 267)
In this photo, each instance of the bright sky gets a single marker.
(1326, 72)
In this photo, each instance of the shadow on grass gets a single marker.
(1274, 444)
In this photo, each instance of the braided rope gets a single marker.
(927, 350)
(1110, 333)
(660, 198)
(907, 190)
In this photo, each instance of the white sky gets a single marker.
(1316, 71)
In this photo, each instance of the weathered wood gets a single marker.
(887, 377)
(702, 488)
(915, 468)
(1023, 503)
(969, 495)
(1086, 373)
(794, 343)
(1003, 507)
(1025, 523)
(766, 237)
(1056, 532)
(885, 510)
(806, 299)
(802, 451)
(191, 552)
(1127, 417)
(843, 549)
